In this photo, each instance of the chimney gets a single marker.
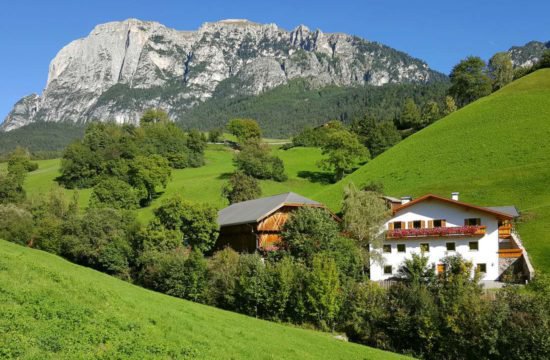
(454, 195)
(405, 199)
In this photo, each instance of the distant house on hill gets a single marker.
(439, 227)
(256, 224)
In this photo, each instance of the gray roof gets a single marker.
(509, 210)
(255, 210)
(391, 198)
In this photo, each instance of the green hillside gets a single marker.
(495, 151)
(204, 184)
(52, 309)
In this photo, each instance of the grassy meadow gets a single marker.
(204, 184)
(495, 151)
(53, 309)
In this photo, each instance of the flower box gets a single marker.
(438, 231)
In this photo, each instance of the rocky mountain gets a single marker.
(528, 54)
(123, 68)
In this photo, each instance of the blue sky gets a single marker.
(439, 32)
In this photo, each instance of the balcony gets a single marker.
(505, 231)
(436, 232)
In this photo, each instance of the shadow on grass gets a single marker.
(317, 176)
(225, 176)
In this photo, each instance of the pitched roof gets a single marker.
(499, 214)
(255, 210)
(509, 209)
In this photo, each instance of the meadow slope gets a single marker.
(495, 151)
(52, 309)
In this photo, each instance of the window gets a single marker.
(425, 247)
(451, 246)
(472, 222)
(474, 246)
(417, 224)
(401, 247)
(438, 223)
(482, 268)
(397, 225)
(388, 269)
(387, 248)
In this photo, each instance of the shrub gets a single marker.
(16, 224)
(114, 193)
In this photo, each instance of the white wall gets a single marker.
(454, 215)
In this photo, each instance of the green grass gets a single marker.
(203, 184)
(52, 309)
(495, 151)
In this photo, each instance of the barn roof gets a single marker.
(252, 211)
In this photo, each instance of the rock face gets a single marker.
(123, 68)
(528, 54)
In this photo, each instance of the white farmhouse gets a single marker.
(440, 227)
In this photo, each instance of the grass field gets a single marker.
(496, 151)
(204, 184)
(52, 309)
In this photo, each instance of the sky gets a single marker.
(440, 32)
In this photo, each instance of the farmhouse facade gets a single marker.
(439, 227)
(257, 224)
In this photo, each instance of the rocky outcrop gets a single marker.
(122, 68)
(528, 54)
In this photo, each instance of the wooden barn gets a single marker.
(256, 224)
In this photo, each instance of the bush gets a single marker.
(222, 278)
(197, 222)
(114, 193)
(16, 224)
(254, 160)
(241, 187)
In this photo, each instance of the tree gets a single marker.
(417, 270)
(241, 187)
(430, 113)
(19, 160)
(222, 278)
(196, 144)
(245, 129)
(11, 188)
(469, 81)
(343, 150)
(197, 222)
(364, 213)
(410, 115)
(114, 193)
(146, 173)
(16, 224)
(251, 285)
(323, 292)
(381, 136)
(154, 116)
(544, 61)
(255, 160)
(501, 70)
(100, 239)
(215, 135)
(450, 105)
(309, 231)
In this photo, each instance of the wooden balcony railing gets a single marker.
(505, 231)
(509, 253)
(438, 231)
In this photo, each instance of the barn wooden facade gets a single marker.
(256, 224)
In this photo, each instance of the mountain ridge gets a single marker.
(124, 67)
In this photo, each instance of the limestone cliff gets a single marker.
(122, 68)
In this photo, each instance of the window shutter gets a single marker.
(465, 222)
(430, 224)
(443, 223)
(390, 226)
(410, 225)
(478, 221)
